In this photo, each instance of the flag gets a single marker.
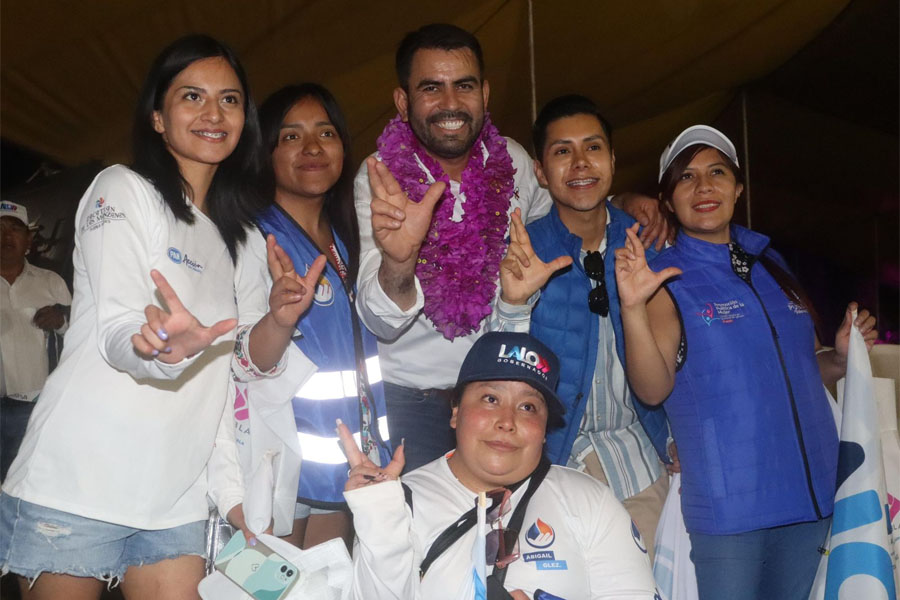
(479, 579)
(858, 562)
(673, 570)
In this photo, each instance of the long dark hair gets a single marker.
(232, 199)
(339, 199)
(785, 280)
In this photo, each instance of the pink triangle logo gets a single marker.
(241, 412)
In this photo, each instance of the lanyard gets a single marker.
(369, 437)
(458, 528)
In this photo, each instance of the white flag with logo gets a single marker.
(858, 563)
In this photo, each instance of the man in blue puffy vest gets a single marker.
(607, 433)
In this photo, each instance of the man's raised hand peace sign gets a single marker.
(399, 224)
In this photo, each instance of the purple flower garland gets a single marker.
(458, 262)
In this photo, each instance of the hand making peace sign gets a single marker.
(636, 281)
(362, 470)
(291, 294)
(522, 273)
(174, 334)
(399, 224)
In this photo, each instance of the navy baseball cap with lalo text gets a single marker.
(510, 356)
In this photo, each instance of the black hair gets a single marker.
(456, 394)
(232, 199)
(558, 108)
(437, 36)
(785, 280)
(339, 199)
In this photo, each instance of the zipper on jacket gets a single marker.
(790, 390)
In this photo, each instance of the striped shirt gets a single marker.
(610, 427)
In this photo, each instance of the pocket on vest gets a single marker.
(714, 474)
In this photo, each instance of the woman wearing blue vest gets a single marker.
(732, 350)
(310, 185)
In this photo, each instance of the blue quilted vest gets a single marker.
(329, 340)
(756, 437)
(561, 319)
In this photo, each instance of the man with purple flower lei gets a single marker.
(433, 206)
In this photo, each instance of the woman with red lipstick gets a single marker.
(309, 185)
(720, 331)
(110, 485)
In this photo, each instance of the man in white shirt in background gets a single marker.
(34, 304)
(429, 256)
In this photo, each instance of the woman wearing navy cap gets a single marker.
(564, 534)
(732, 350)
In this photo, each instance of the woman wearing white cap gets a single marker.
(731, 348)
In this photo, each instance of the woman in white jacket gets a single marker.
(110, 483)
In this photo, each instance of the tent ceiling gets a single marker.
(852, 70)
(71, 71)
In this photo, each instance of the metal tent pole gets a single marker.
(531, 60)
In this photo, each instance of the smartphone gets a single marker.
(258, 570)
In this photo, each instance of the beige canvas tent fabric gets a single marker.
(71, 70)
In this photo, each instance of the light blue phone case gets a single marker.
(258, 570)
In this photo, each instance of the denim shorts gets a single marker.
(35, 539)
(302, 511)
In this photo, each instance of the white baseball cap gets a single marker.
(697, 134)
(16, 211)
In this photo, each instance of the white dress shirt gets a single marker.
(413, 353)
(23, 344)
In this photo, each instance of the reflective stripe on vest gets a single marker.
(326, 449)
(336, 385)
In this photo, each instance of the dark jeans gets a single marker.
(776, 564)
(14, 416)
(422, 419)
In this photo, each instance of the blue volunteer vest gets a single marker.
(331, 334)
(756, 437)
(562, 320)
